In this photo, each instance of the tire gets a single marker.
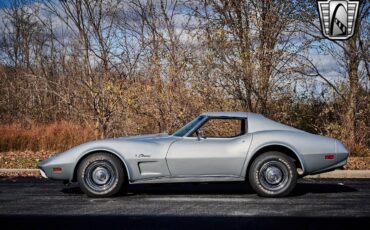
(101, 175)
(273, 174)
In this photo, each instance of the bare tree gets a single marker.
(253, 39)
(349, 55)
(92, 22)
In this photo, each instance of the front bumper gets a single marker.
(48, 166)
(43, 174)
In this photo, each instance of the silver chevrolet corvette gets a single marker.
(214, 147)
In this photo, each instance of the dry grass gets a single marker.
(358, 163)
(40, 137)
(357, 149)
(22, 159)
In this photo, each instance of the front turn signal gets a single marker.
(57, 170)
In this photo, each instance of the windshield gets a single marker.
(189, 126)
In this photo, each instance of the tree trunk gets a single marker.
(352, 102)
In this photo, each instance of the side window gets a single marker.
(221, 128)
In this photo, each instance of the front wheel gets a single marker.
(100, 175)
(273, 174)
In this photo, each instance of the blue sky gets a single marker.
(7, 3)
(4, 3)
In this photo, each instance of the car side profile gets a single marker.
(214, 147)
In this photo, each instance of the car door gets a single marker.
(208, 155)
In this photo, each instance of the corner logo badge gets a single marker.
(338, 18)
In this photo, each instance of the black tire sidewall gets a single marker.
(255, 170)
(118, 168)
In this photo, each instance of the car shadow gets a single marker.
(305, 188)
(236, 188)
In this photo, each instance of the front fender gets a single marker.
(68, 160)
(128, 150)
(104, 149)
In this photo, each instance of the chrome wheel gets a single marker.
(273, 175)
(100, 176)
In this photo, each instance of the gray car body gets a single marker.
(164, 158)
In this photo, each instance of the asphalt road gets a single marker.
(35, 203)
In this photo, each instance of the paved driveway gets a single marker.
(26, 202)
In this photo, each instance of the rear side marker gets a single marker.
(329, 157)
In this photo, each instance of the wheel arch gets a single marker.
(287, 150)
(88, 153)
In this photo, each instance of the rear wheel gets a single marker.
(273, 174)
(101, 175)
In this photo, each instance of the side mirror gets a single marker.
(200, 134)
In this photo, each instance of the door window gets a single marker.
(221, 128)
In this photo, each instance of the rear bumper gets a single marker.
(331, 168)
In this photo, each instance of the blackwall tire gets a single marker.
(273, 174)
(101, 175)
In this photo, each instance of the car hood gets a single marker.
(128, 146)
(130, 142)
